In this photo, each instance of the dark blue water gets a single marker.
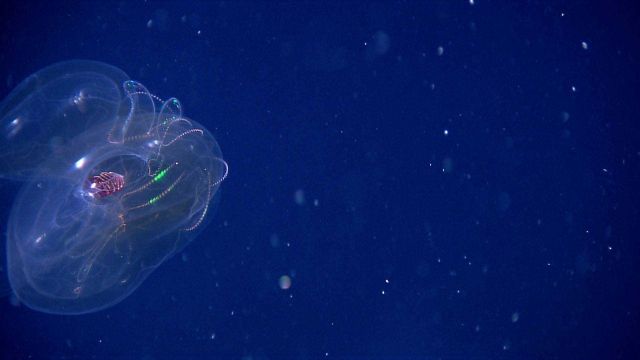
(426, 180)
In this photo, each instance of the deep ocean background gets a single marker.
(438, 179)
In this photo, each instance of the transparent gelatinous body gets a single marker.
(115, 182)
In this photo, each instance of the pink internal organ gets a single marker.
(106, 184)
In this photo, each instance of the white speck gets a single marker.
(39, 239)
(573, 88)
(445, 132)
(471, 2)
(447, 165)
(585, 46)
(199, 32)
(14, 127)
(80, 163)
(284, 282)
(386, 281)
(79, 98)
(316, 202)
(213, 336)
(382, 292)
(149, 23)
(440, 50)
